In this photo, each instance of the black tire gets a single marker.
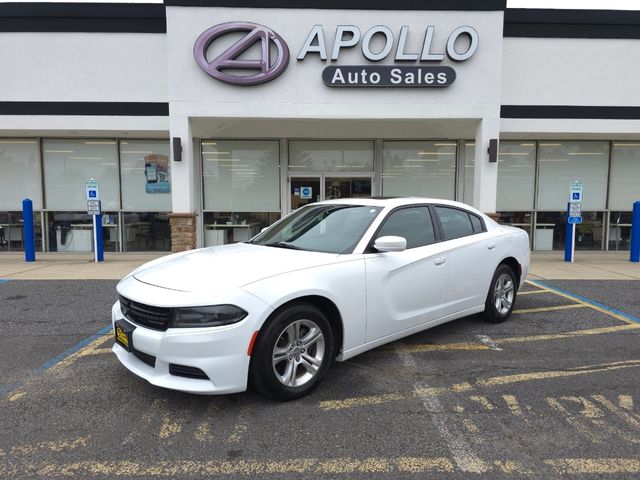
(300, 369)
(502, 295)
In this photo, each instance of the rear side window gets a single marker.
(476, 223)
(455, 223)
(412, 223)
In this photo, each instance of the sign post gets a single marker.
(574, 217)
(94, 208)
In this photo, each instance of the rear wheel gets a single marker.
(293, 353)
(502, 295)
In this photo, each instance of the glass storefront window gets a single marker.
(70, 232)
(241, 175)
(229, 227)
(550, 231)
(345, 156)
(145, 231)
(12, 231)
(516, 175)
(619, 230)
(624, 184)
(68, 164)
(241, 188)
(425, 169)
(145, 175)
(562, 163)
(19, 174)
(469, 171)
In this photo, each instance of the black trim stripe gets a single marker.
(545, 23)
(469, 5)
(129, 109)
(82, 17)
(570, 111)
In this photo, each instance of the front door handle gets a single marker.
(440, 261)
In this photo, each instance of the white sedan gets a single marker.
(329, 281)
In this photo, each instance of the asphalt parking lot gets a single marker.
(552, 393)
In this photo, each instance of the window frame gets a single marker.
(434, 224)
(454, 207)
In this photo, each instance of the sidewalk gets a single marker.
(80, 266)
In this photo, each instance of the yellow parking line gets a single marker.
(84, 351)
(545, 375)
(482, 382)
(427, 347)
(551, 309)
(586, 304)
(306, 466)
(562, 335)
(250, 468)
(595, 466)
(56, 446)
(533, 292)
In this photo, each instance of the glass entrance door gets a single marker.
(310, 189)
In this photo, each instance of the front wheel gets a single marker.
(502, 295)
(293, 353)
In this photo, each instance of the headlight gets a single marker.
(213, 316)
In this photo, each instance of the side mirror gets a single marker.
(390, 244)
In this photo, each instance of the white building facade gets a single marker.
(205, 121)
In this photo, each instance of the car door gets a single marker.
(408, 288)
(472, 259)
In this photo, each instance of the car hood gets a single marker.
(227, 266)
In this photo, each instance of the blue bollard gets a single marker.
(29, 231)
(99, 254)
(635, 233)
(568, 239)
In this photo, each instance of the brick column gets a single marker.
(183, 231)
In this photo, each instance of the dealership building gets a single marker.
(203, 121)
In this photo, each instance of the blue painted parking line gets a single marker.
(58, 358)
(4, 280)
(586, 300)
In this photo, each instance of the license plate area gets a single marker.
(123, 332)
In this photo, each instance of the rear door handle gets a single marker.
(440, 261)
(491, 246)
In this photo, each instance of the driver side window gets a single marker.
(413, 223)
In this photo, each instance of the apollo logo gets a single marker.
(230, 66)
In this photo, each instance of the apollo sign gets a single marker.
(262, 70)
(378, 43)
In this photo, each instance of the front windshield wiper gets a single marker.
(283, 245)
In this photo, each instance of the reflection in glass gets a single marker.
(469, 170)
(516, 175)
(18, 157)
(345, 156)
(68, 164)
(425, 169)
(146, 231)
(562, 163)
(619, 230)
(12, 231)
(230, 227)
(551, 228)
(624, 185)
(145, 175)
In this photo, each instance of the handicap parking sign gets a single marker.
(306, 192)
(575, 196)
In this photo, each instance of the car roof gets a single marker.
(393, 202)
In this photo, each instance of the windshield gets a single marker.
(320, 228)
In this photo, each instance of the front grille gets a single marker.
(189, 372)
(145, 358)
(156, 318)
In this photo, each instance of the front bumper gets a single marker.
(220, 352)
